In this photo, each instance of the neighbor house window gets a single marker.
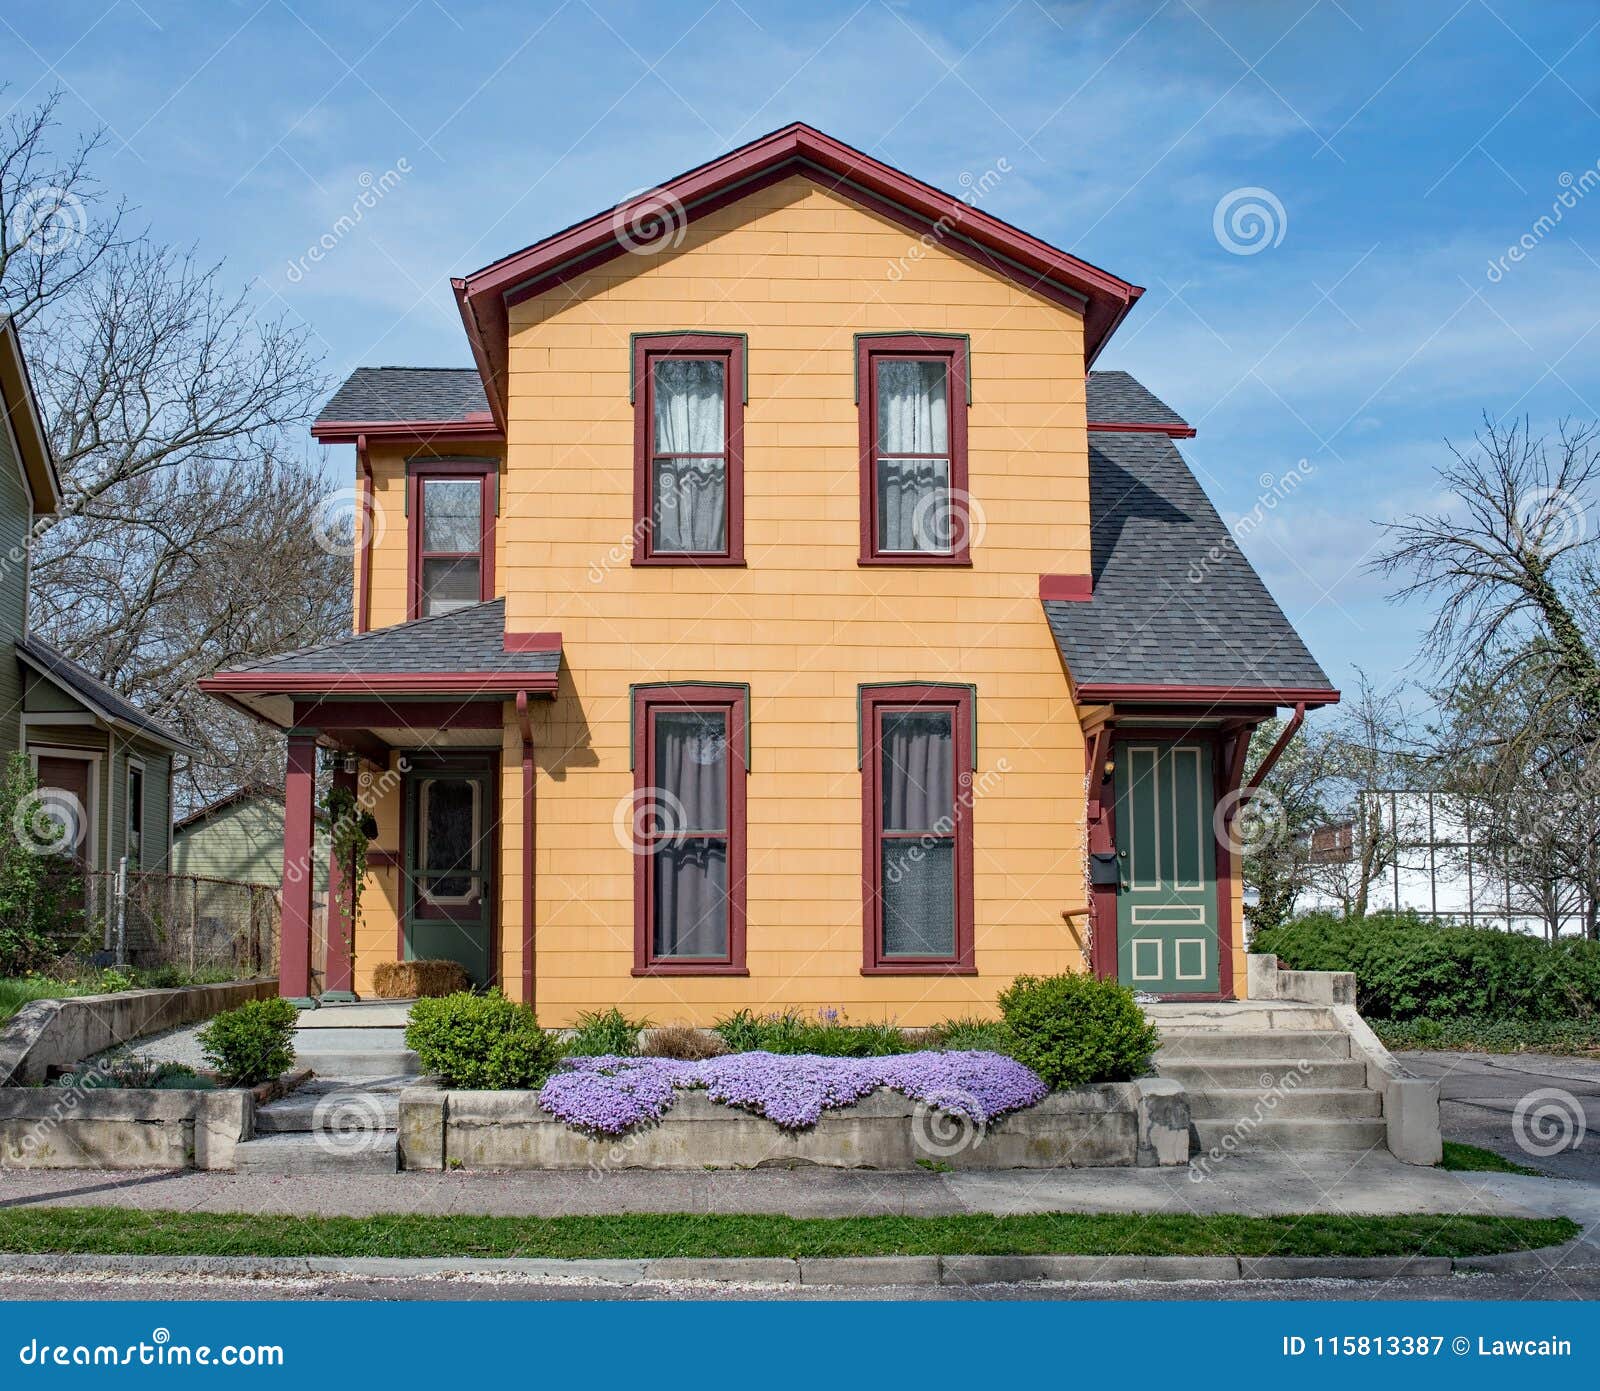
(689, 449)
(913, 409)
(917, 828)
(452, 534)
(135, 815)
(688, 827)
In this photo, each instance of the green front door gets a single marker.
(1167, 898)
(449, 886)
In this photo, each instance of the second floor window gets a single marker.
(451, 538)
(913, 450)
(689, 414)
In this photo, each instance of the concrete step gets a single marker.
(329, 1040)
(330, 1106)
(1317, 1046)
(1300, 1103)
(1189, 1017)
(374, 1152)
(347, 1063)
(1199, 1074)
(1295, 1136)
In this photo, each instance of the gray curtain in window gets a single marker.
(917, 753)
(913, 492)
(691, 868)
(690, 495)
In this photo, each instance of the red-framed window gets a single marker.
(915, 508)
(916, 817)
(688, 436)
(450, 508)
(690, 763)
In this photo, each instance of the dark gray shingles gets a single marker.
(1115, 398)
(407, 393)
(80, 682)
(1175, 601)
(469, 639)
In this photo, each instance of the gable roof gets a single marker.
(100, 699)
(484, 296)
(421, 396)
(21, 406)
(1175, 604)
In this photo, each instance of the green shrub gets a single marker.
(253, 1043)
(481, 1042)
(1477, 1034)
(1077, 1029)
(40, 891)
(1409, 968)
(828, 1035)
(970, 1035)
(610, 1034)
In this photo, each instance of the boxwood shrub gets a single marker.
(251, 1044)
(481, 1042)
(1077, 1029)
(1407, 967)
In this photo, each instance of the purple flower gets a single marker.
(608, 1096)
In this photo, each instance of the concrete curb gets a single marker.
(811, 1270)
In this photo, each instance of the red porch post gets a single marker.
(339, 981)
(294, 937)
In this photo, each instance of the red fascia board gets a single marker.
(468, 683)
(349, 431)
(1176, 430)
(1073, 589)
(1108, 692)
(533, 642)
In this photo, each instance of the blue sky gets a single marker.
(1408, 148)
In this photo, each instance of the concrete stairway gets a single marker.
(345, 1120)
(1266, 1077)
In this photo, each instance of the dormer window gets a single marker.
(452, 506)
(688, 449)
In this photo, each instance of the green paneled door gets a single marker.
(1167, 900)
(449, 884)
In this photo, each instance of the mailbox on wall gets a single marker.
(1103, 867)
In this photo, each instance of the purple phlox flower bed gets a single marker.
(607, 1095)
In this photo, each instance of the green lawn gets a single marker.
(1469, 1159)
(110, 1230)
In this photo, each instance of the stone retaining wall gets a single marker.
(59, 1033)
(1145, 1123)
(122, 1128)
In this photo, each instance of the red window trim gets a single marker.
(870, 351)
(874, 702)
(730, 701)
(647, 349)
(418, 472)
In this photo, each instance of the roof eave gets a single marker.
(39, 460)
(418, 431)
(486, 684)
(1130, 693)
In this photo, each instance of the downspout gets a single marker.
(526, 727)
(366, 502)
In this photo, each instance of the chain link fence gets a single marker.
(196, 925)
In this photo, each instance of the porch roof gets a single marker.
(465, 654)
(1177, 613)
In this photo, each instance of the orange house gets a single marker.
(782, 614)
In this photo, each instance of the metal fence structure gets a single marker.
(194, 924)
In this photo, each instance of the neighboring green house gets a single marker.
(240, 837)
(108, 764)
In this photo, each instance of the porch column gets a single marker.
(339, 981)
(294, 936)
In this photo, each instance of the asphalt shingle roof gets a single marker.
(93, 692)
(380, 394)
(1175, 601)
(1115, 398)
(466, 639)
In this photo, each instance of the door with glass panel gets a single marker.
(1167, 895)
(449, 887)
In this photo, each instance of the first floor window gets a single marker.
(917, 821)
(135, 816)
(688, 826)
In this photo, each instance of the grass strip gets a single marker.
(128, 1231)
(1470, 1159)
